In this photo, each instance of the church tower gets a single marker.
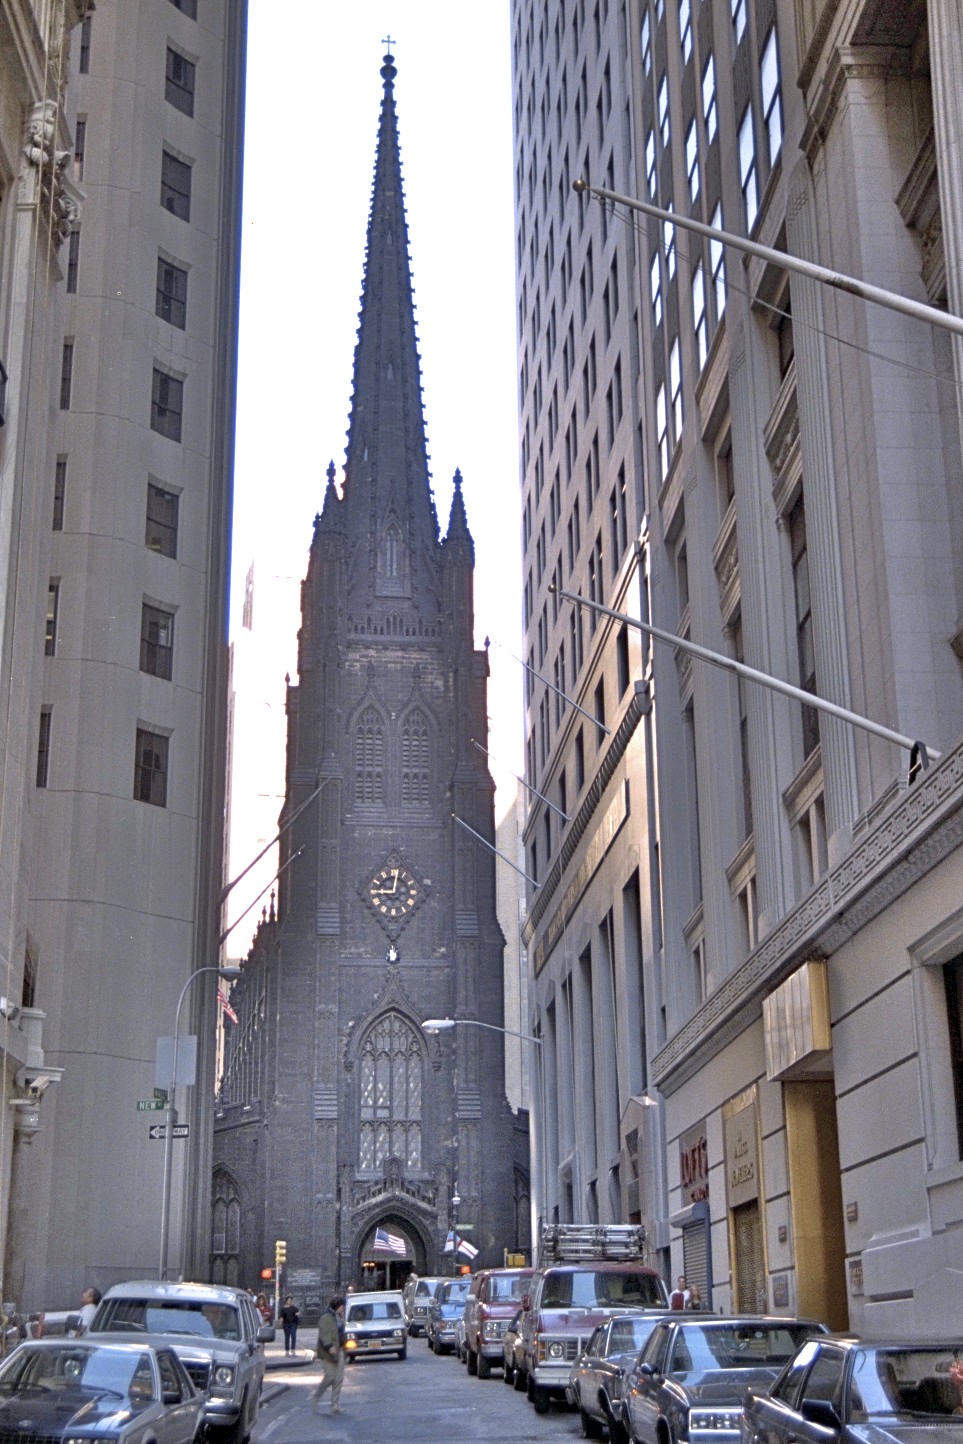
(340, 1116)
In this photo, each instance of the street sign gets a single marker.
(159, 1130)
(161, 1093)
(151, 1105)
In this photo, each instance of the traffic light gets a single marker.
(280, 1252)
(267, 1274)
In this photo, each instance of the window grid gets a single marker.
(60, 492)
(80, 145)
(171, 299)
(675, 387)
(369, 759)
(175, 195)
(73, 260)
(43, 747)
(738, 18)
(747, 167)
(415, 760)
(699, 315)
(716, 262)
(771, 98)
(166, 404)
(83, 60)
(66, 375)
(162, 518)
(685, 29)
(156, 642)
(664, 111)
(645, 43)
(150, 768)
(692, 161)
(709, 112)
(650, 171)
(50, 627)
(179, 81)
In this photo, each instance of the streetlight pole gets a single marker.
(441, 1025)
(230, 973)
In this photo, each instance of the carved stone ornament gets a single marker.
(45, 172)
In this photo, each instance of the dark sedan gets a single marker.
(595, 1383)
(862, 1393)
(80, 1389)
(444, 1312)
(691, 1378)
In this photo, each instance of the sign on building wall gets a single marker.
(694, 1164)
(741, 1149)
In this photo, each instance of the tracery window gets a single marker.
(391, 1083)
(415, 759)
(369, 758)
(225, 1230)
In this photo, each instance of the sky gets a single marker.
(309, 160)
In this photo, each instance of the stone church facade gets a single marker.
(338, 1115)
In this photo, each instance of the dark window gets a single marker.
(176, 186)
(66, 375)
(622, 657)
(600, 712)
(162, 509)
(953, 979)
(579, 761)
(60, 492)
(179, 81)
(804, 621)
(787, 348)
(171, 302)
(73, 259)
(166, 404)
(28, 995)
(3, 393)
(50, 629)
(156, 641)
(150, 768)
(80, 145)
(83, 64)
(43, 747)
(563, 791)
(186, 7)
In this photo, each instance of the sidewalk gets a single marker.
(275, 1357)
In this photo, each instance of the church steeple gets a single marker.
(387, 488)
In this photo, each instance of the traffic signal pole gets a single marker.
(280, 1259)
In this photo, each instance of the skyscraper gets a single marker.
(339, 1115)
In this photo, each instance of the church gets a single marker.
(339, 1118)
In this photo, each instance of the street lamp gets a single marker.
(441, 1025)
(231, 974)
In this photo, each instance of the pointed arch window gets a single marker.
(369, 758)
(415, 759)
(391, 1087)
(391, 551)
(225, 1229)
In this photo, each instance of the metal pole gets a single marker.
(485, 843)
(775, 684)
(836, 279)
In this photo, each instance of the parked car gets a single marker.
(488, 1311)
(374, 1323)
(565, 1306)
(418, 1294)
(861, 1393)
(511, 1350)
(82, 1389)
(461, 1345)
(446, 1313)
(690, 1379)
(595, 1383)
(217, 1334)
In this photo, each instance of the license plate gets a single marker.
(374, 1344)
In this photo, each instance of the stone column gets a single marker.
(830, 627)
(946, 67)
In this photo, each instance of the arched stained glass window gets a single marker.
(225, 1229)
(369, 758)
(391, 1078)
(415, 759)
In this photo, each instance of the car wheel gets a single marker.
(520, 1381)
(472, 1361)
(508, 1373)
(234, 1433)
(484, 1367)
(539, 1397)
(403, 1353)
(591, 1428)
(618, 1434)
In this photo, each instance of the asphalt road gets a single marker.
(424, 1400)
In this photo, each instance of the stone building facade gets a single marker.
(782, 1003)
(338, 1114)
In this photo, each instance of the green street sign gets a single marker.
(151, 1105)
(161, 1093)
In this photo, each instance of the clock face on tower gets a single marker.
(393, 891)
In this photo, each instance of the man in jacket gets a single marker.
(331, 1355)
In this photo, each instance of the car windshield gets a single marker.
(168, 1316)
(586, 1289)
(705, 1347)
(907, 1381)
(125, 1376)
(373, 1309)
(456, 1292)
(503, 1289)
(628, 1335)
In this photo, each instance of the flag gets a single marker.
(468, 1250)
(386, 1242)
(222, 998)
(449, 1242)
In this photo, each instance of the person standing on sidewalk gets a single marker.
(331, 1355)
(289, 1322)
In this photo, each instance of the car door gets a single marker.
(817, 1372)
(177, 1423)
(642, 1394)
(588, 1369)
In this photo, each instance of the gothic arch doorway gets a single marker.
(391, 1248)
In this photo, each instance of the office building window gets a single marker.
(668, 236)
(150, 767)
(716, 260)
(83, 59)
(156, 641)
(50, 628)
(162, 514)
(600, 729)
(179, 81)
(73, 260)
(60, 492)
(804, 621)
(622, 659)
(166, 404)
(579, 761)
(650, 173)
(664, 111)
(738, 18)
(80, 145)
(645, 43)
(771, 100)
(692, 161)
(175, 195)
(709, 112)
(43, 746)
(953, 985)
(186, 7)
(66, 375)
(655, 287)
(747, 167)
(675, 387)
(662, 427)
(171, 301)
(699, 315)
(685, 28)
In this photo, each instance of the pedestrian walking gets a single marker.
(331, 1355)
(289, 1322)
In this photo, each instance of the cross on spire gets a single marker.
(389, 42)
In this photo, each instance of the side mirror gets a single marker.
(266, 1334)
(822, 1413)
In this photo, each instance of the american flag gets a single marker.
(386, 1242)
(224, 1001)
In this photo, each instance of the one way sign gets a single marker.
(159, 1130)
